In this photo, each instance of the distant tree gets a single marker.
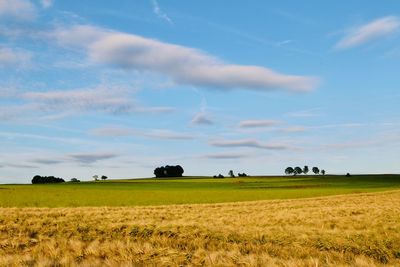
(37, 179)
(315, 170)
(159, 172)
(242, 174)
(289, 170)
(323, 172)
(95, 177)
(298, 170)
(305, 169)
(74, 180)
(169, 171)
(231, 174)
(221, 176)
(348, 175)
(103, 177)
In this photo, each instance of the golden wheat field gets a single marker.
(356, 230)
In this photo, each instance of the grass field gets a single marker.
(189, 190)
(347, 230)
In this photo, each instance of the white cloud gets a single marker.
(257, 123)
(149, 133)
(157, 10)
(370, 31)
(11, 57)
(47, 3)
(202, 118)
(17, 9)
(184, 65)
(248, 143)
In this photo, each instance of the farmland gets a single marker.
(357, 230)
(252, 221)
(189, 190)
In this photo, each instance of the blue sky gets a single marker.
(119, 88)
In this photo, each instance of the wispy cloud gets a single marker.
(157, 10)
(149, 133)
(18, 166)
(46, 3)
(230, 155)
(62, 103)
(294, 129)
(371, 31)
(46, 161)
(89, 158)
(258, 123)
(11, 58)
(248, 143)
(314, 112)
(202, 118)
(22, 10)
(184, 65)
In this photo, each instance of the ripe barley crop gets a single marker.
(357, 230)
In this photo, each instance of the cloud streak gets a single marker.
(371, 31)
(153, 134)
(257, 123)
(89, 158)
(248, 143)
(21, 10)
(62, 103)
(157, 10)
(46, 3)
(202, 118)
(182, 64)
(11, 57)
(222, 156)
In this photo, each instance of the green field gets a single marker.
(189, 190)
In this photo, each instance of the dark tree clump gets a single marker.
(289, 170)
(298, 170)
(37, 179)
(169, 171)
(103, 177)
(242, 174)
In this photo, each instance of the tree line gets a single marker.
(37, 179)
(304, 170)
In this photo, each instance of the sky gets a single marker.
(119, 88)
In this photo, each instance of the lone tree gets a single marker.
(305, 169)
(315, 170)
(231, 174)
(103, 177)
(298, 170)
(323, 172)
(169, 171)
(289, 170)
(95, 177)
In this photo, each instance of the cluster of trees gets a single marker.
(96, 177)
(230, 174)
(169, 171)
(304, 170)
(37, 179)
